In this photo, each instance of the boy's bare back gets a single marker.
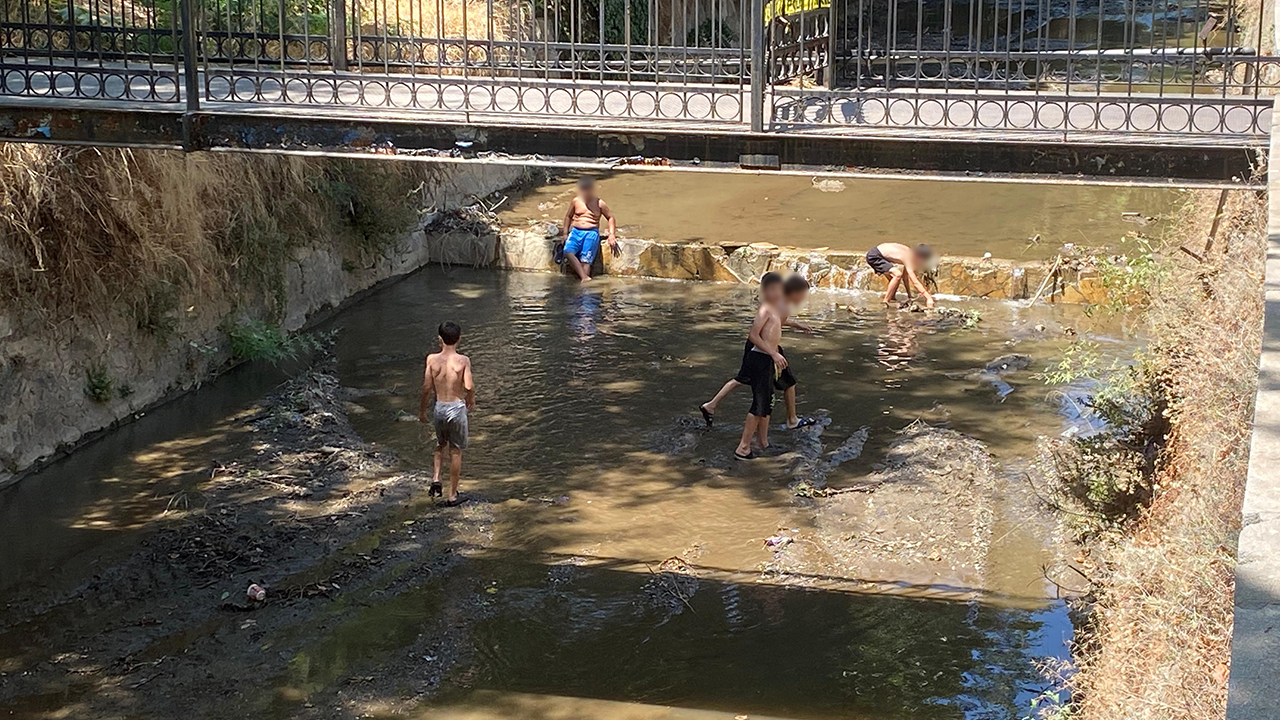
(898, 253)
(450, 375)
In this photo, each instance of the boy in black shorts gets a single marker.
(794, 291)
(762, 365)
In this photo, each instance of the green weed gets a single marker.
(1132, 279)
(258, 340)
(98, 385)
(1105, 478)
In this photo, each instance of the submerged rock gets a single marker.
(682, 435)
(1008, 363)
(671, 587)
(994, 372)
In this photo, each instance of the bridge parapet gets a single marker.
(1184, 71)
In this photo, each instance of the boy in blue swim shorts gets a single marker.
(582, 228)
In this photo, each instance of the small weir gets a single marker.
(614, 560)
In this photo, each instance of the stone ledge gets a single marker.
(530, 248)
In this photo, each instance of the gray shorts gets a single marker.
(451, 423)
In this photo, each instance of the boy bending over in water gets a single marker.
(447, 376)
(794, 291)
(894, 260)
(582, 228)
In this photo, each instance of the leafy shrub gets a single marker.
(258, 340)
(1104, 478)
(1132, 279)
(98, 385)
(155, 310)
(378, 201)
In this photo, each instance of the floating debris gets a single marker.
(828, 185)
(642, 160)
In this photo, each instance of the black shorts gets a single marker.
(758, 372)
(782, 382)
(879, 262)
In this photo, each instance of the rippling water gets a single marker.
(587, 443)
(587, 402)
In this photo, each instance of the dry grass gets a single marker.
(1157, 642)
(435, 19)
(84, 231)
(91, 228)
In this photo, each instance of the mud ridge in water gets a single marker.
(924, 522)
(309, 511)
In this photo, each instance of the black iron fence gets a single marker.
(1178, 67)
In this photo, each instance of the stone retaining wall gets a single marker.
(530, 248)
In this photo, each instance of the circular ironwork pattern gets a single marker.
(991, 113)
(695, 103)
(91, 83)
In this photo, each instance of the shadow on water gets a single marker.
(583, 438)
(607, 639)
(59, 518)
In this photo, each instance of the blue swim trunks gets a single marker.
(583, 243)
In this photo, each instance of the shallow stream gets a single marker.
(599, 478)
(1012, 221)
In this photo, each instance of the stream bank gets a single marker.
(122, 293)
(296, 504)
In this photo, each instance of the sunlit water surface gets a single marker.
(578, 391)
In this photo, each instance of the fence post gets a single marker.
(338, 36)
(758, 71)
(190, 71)
(831, 47)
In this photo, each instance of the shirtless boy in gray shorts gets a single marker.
(447, 376)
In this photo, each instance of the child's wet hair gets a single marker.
(795, 283)
(924, 251)
(450, 332)
(586, 182)
(769, 279)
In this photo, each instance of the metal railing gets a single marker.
(1193, 68)
(1179, 67)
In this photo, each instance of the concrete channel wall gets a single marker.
(530, 248)
(1255, 639)
(44, 408)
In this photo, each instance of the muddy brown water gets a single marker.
(584, 443)
(957, 218)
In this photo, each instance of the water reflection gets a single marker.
(897, 347)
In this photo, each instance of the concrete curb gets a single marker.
(1255, 639)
